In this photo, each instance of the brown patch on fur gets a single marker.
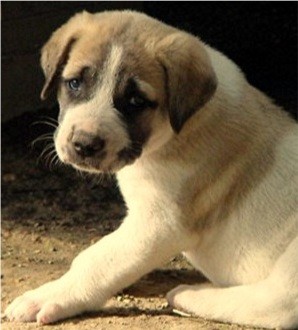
(190, 79)
(54, 58)
(241, 155)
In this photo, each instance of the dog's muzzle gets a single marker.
(91, 152)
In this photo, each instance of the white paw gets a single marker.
(47, 304)
(184, 298)
(22, 309)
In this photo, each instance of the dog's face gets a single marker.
(126, 83)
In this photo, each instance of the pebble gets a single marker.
(6, 233)
(37, 239)
(163, 306)
(9, 177)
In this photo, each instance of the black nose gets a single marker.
(88, 146)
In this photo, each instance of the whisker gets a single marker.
(48, 158)
(51, 156)
(49, 146)
(55, 121)
(57, 161)
(50, 153)
(43, 137)
(43, 122)
(45, 150)
(80, 173)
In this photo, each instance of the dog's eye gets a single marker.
(74, 84)
(137, 102)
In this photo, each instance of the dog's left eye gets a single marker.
(137, 102)
(74, 84)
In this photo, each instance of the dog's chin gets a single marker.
(97, 169)
(124, 158)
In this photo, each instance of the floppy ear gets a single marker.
(54, 55)
(190, 79)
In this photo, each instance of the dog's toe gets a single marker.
(180, 298)
(22, 309)
(49, 313)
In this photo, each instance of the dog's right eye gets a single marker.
(74, 84)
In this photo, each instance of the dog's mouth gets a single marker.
(102, 162)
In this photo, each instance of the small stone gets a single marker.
(37, 239)
(9, 177)
(163, 306)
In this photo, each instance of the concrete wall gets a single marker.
(25, 28)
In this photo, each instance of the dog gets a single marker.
(207, 165)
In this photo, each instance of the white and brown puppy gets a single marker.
(207, 164)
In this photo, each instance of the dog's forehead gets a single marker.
(94, 46)
(91, 53)
(114, 56)
(113, 64)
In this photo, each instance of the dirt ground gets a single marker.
(51, 213)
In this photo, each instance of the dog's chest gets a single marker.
(145, 188)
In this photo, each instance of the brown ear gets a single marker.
(55, 52)
(190, 79)
(54, 56)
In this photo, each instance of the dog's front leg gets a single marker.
(108, 266)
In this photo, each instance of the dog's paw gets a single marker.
(187, 299)
(180, 299)
(47, 304)
(22, 309)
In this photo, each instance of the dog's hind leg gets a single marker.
(270, 303)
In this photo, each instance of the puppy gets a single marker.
(207, 164)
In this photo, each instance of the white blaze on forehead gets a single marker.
(103, 97)
(110, 71)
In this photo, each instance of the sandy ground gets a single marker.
(49, 214)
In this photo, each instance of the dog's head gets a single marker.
(126, 83)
